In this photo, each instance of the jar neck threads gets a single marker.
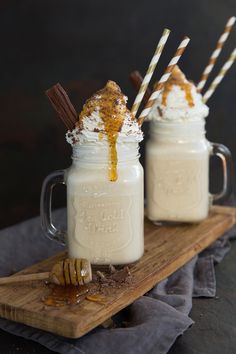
(98, 152)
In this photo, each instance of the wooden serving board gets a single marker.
(167, 248)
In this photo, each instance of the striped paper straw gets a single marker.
(220, 76)
(216, 53)
(181, 48)
(136, 80)
(150, 71)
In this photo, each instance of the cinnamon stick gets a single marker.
(62, 105)
(136, 80)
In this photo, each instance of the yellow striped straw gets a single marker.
(150, 71)
(181, 48)
(220, 76)
(216, 53)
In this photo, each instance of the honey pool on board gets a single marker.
(105, 281)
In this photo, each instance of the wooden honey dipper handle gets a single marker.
(24, 277)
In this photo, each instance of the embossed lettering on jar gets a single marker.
(105, 218)
(104, 183)
(177, 172)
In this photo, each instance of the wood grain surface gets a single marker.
(167, 248)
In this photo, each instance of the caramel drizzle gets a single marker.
(186, 87)
(112, 109)
(178, 78)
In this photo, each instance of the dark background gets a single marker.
(82, 44)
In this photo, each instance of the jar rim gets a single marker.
(100, 152)
(185, 129)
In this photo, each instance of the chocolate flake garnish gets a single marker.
(62, 105)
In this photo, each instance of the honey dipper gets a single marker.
(70, 271)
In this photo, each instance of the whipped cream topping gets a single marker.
(179, 101)
(94, 131)
(105, 119)
(94, 127)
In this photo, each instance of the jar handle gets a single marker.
(46, 206)
(224, 154)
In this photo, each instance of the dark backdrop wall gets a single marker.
(82, 44)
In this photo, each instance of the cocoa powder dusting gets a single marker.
(177, 78)
(111, 105)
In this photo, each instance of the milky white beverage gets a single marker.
(177, 161)
(104, 183)
(105, 219)
(177, 155)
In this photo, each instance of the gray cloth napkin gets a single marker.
(150, 325)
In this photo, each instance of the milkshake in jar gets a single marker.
(177, 155)
(104, 183)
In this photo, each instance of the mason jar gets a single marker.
(104, 218)
(177, 171)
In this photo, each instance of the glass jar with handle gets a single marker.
(104, 218)
(177, 171)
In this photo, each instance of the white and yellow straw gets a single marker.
(181, 48)
(150, 71)
(220, 76)
(216, 53)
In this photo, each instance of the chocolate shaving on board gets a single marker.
(62, 105)
(114, 277)
(121, 275)
(112, 269)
